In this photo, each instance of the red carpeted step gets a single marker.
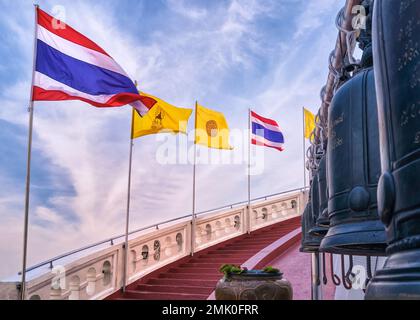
(220, 260)
(226, 247)
(250, 245)
(228, 251)
(273, 234)
(255, 241)
(201, 264)
(187, 276)
(180, 282)
(253, 248)
(229, 254)
(143, 295)
(175, 289)
(263, 238)
(260, 239)
(192, 269)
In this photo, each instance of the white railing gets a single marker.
(98, 274)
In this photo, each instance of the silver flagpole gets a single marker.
(28, 164)
(193, 199)
(315, 274)
(304, 145)
(127, 218)
(249, 172)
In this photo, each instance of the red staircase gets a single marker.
(194, 278)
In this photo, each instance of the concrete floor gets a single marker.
(296, 267)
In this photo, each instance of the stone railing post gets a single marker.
(120, 266)
(247, 219)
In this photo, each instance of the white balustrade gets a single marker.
(216, 228)
(99, 274)
(268, 212)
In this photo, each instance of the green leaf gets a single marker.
(270, 269)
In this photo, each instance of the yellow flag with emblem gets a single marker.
(309, 125)
(211, 128)
(161, 118)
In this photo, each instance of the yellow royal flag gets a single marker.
(211, 128)
(161, 118)
(309, 124)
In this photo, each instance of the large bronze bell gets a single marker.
(310, 242)
(322, 221)
(353, 169)
(396, 46)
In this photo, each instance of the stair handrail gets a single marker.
(51, 261)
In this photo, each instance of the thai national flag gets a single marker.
(266, 132)
(70, 66)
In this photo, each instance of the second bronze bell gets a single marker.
(353, 166)
(321, 219)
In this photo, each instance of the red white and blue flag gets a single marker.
(266, 132)
(69, 66)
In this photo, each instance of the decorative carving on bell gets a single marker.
(396, 49)
(353, 168)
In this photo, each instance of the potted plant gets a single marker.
(242, 284)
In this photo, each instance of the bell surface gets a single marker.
(396, 48)
(323, 220)
(310, 242)
(316, 230)
(353, 170)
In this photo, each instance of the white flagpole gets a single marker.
(28, 165)
(193, 218)
(127, 218)
(249, 172)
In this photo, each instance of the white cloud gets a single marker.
(311, 19)
(187, 10)
(48, 215)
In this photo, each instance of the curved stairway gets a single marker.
(194, 278)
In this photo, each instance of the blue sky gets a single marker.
(229, 55)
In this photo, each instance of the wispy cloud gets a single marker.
(311, 19)
(187, 9)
